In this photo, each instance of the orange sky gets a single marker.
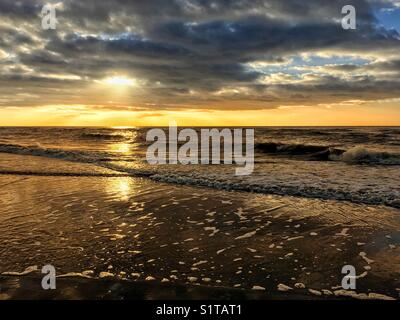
(367, 114)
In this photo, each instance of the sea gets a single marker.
(358, 164)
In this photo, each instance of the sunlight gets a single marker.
(122, 127)
(121, 187)
(120, 81)
(120, 148)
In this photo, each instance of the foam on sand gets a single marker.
(246, 235)
(283, 287)
(362, 296)
(258, 288)
(363, 255)
(28, 270)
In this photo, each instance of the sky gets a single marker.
(199, 62)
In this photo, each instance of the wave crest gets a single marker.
(356, 155)
(360, 155)
(102, 136)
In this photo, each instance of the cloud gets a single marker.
(197, 53)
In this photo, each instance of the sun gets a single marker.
(120, 81)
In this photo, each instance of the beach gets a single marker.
(133, 229)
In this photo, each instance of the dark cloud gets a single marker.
(20, 9)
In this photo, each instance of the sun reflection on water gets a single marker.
(125, 146)
(120, 148)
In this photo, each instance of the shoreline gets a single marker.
(39, 165)
(82, 288)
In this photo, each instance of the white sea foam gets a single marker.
(213, 229)
(28, 270)
(246, 235)
(283, 287)
(363, 255)
(258, 288)
(362, 296)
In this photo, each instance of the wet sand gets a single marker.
(153, 236)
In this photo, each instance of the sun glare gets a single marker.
(120, 81)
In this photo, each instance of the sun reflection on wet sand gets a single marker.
(121, 186)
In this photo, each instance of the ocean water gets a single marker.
(357, 164)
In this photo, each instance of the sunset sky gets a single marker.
(200, 62)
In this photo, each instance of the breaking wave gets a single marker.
(102, 136)
(299, 189)
(359, 155)
(302, 151)
(356, 155)
(49, 152)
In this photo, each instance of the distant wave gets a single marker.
(95, 157)
(356, 155)
(102, 136)
(48, 152)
